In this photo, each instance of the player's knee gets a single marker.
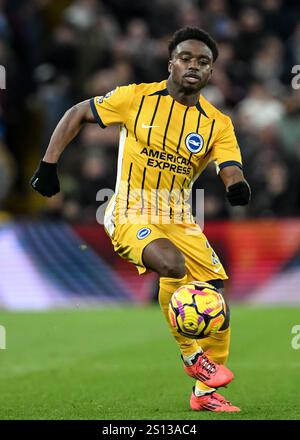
(173, 266)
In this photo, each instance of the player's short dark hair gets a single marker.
(193, 33)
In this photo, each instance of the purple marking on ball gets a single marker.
(198, 292)
(208, 311)
(181, 310)
(200, 319)
(189, 330)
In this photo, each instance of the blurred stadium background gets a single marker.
(53, 252)
(68, 358)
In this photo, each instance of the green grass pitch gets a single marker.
(122, 364)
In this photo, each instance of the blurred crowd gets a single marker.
(57, 53)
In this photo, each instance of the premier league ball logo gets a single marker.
(194, 142)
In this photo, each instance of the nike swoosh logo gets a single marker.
(34, 182)
(150, 126)
(217, 270)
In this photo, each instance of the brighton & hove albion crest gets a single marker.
(194, 142)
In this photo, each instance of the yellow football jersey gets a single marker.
(163, 147)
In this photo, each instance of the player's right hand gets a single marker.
(45, 179)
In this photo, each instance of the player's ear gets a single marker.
(170, 66)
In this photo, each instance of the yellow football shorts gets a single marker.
(202, 263)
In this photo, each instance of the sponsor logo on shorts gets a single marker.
(194, 142)
(143, 233)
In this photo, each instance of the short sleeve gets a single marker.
(114, 106)
(226, 150)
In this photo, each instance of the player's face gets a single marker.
(191, 65)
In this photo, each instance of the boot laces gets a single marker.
(207, 365)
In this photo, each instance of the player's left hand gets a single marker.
(45, 179)
(239, 193)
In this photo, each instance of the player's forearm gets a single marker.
(66, 130)
(238, 190)
(231, 175)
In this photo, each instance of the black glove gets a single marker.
(239, 193)
(45, 179)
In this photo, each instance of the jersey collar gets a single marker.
(164, 92)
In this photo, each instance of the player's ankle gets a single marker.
(192, 358)
(200, 393)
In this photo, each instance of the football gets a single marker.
(197, 310)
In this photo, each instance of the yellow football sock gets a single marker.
(166, 289)
(201, 388)
(216, 347)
